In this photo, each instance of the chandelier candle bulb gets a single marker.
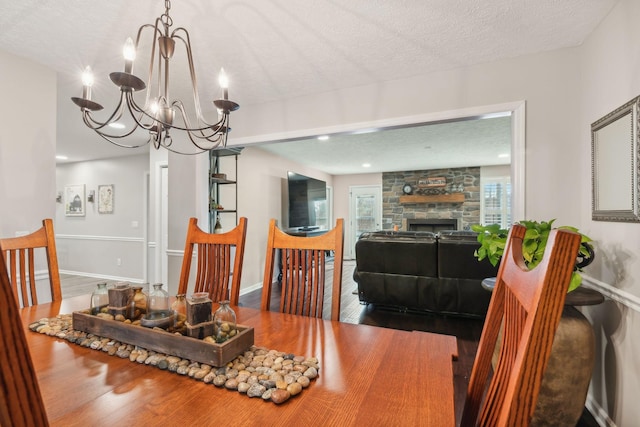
(129, 53)
(224, 83)
(87, 82)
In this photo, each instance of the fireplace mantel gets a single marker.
(437, 198)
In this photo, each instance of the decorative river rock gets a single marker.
(258, 372)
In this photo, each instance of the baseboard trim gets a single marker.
(249, 289)
(102, 276)
(100, 238)
(599, 413)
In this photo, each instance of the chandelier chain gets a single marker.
(165, 18)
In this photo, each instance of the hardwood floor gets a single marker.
(467, 331)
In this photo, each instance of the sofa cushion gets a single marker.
(410, 254)
(456, 257)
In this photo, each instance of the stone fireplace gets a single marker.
(458, 209)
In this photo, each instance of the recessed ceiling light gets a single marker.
(503, 155)
(116, 125)
(62, 158)
(366, 165)
(323, 137)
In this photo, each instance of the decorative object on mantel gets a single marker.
(433, 190)
(159, 114)
(433, 182)
(288, 374)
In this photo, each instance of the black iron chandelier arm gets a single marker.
(213, 128)
(221, 138)
(138, 113)
(194, 79)
(106, 135)
(98, 125)
(107, 138)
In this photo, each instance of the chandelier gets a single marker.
(159, 116)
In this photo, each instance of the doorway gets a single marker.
(365, 214)
(159, 211)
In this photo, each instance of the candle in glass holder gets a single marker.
(199, 308)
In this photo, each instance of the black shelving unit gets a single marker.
(215, 182)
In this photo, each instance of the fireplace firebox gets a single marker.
(433, 225)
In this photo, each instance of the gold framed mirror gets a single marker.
(614, 165)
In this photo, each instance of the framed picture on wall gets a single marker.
(74, 200)
(105, 199)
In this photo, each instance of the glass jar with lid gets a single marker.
(158, 302)
(99, 299)
(138, 303)
(179, 309)
(224, 322)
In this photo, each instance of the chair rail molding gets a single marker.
(625, 298)
(100, 238)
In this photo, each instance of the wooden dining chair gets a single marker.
(527, 304)
(19, 254)
(303, 263)
(214, 254)
(20, 401)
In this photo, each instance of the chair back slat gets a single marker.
(19, 255)
(526, 306)
(213, 270)
(303, 268)
(20, 402)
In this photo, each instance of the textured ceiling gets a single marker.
(278, 49)
(477, 142)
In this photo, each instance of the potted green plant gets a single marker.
(568, 372)
(493, 239)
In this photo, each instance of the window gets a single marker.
(495, 202)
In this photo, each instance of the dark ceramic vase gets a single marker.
(566, 380)
(565, 383)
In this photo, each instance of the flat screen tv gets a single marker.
(307, 202)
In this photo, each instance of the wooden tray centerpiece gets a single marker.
(159, 340)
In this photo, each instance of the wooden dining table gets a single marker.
(369, 376)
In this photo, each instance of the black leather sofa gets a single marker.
(423, 271)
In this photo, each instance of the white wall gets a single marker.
(261, 184)
(546, 81)
(27, 152)
(610, 76)
(104, 245)
(27, 145)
